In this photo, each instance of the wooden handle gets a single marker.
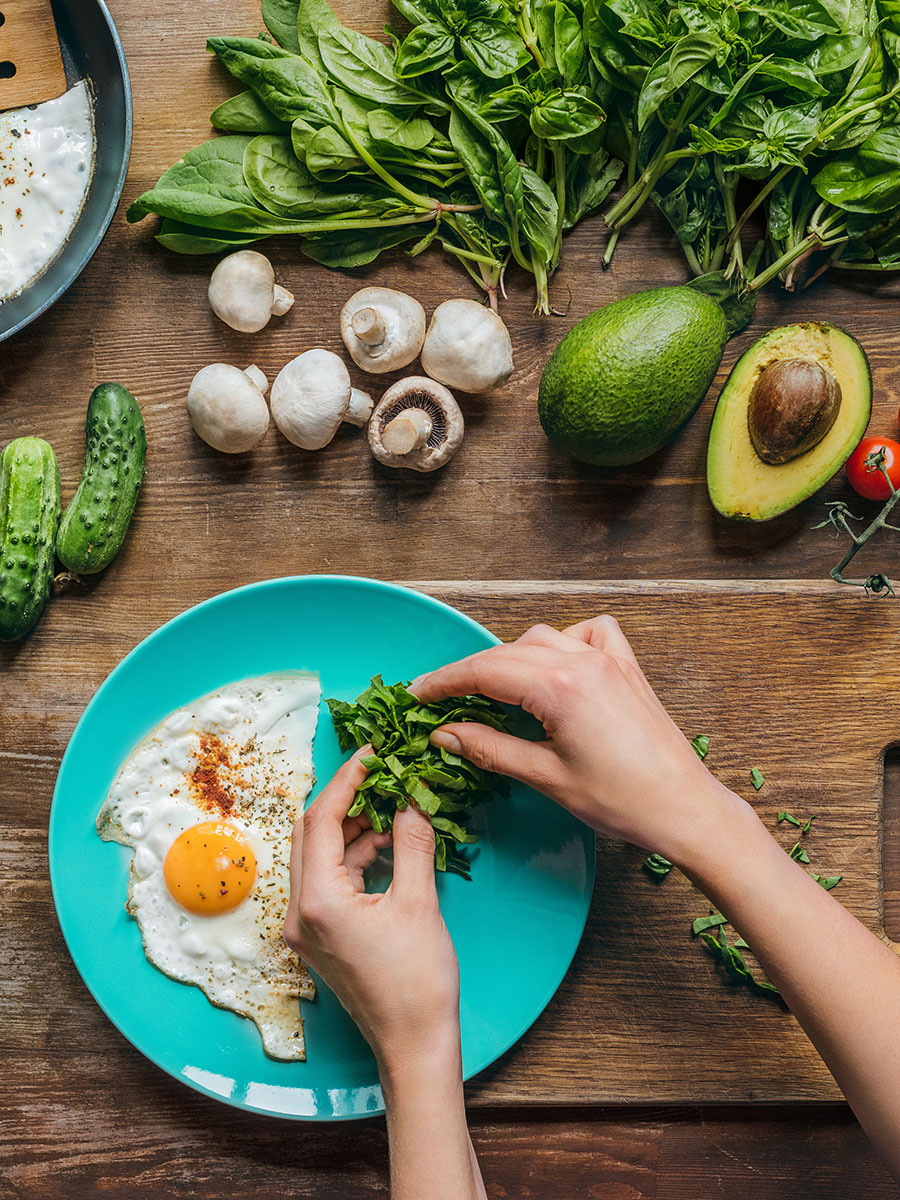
(31, 66)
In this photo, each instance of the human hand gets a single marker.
(612, 754)
(388, 958)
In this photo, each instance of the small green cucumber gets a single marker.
(29, 516)
(95, 523)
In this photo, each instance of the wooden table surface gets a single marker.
(83, 1113)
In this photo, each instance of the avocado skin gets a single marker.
(624, 381)
(743, 487)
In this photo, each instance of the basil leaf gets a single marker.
(426, 48)
(673, 69)
(700, 745)
(494, 47)
(657, 866)
(757, 778)
(565, 115)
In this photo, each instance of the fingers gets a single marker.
(546, 635)
(603, 633)
(511, 673)
(413, 857)
(529, 762)
(322, 840)
(361, 853)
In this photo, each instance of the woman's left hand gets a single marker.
(388, 957)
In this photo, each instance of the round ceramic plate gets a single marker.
(91, 50)
(516, 925)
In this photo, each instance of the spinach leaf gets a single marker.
(245, 113)
(347, 249)
(280, 17)
(673, 69)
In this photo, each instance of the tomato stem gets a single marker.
(839, 517)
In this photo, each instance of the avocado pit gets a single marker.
(793, 405)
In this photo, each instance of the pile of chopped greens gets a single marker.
(405, 766)
(479, 130)
(726, 109)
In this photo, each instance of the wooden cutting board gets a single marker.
(798, 680)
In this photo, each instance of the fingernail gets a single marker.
(449, 741)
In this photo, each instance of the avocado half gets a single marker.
(740, 484)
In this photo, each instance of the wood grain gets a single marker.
(735, 624)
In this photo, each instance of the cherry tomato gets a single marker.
(869, 481)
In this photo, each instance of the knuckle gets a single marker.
(536, 633)
(607, 622)
(420, 837)
(563, 681)
(293, 937)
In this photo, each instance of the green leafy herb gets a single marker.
(786, 816)
(757, 778)
(405, 766)
(701, 924)
(733, 961)
(826, 881)
(657, 866)
(798, 854)
(700, 744)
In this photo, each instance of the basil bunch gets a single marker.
(479, 130)
(795, 103)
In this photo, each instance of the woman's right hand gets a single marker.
(612, 755)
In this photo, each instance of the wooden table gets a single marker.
(83, 1112)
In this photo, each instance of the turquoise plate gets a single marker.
(516, 926)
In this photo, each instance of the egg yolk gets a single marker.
(210, 868)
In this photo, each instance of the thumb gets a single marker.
(495, 751)
(413, 856)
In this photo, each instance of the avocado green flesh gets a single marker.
(742, 485)
(623, 382)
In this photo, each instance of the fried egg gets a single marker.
(208, 801)
(46, 159)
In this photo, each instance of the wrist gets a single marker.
(415, 1054)
(719, 822)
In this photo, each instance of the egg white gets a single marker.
(242, 754)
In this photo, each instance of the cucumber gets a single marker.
(29, 516)
(95, 523)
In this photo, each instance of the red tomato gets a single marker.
(869, 481)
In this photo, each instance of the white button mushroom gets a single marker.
(382, 329)
(417, 424)
(227, 407)
(467, 347)
(244, 294)
(311, 397)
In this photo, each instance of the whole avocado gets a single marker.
(623, 382)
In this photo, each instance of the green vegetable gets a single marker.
(785, 816)
(96, 521)
(624, 381)
(732, 960)
(791, 111)
(29, 516)
(480, 131)
(798, 854)
(700, 744)
(657, 866)
(701, 924)
(827, 882)
(406, 767)
(757, 778)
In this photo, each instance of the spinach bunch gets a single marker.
(479, 130)
(792, 106)
(405, 766)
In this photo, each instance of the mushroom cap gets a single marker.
(227, 409)
(242, 290)
(310, 397)
(403, 320)
(448, 425)
(467, 346)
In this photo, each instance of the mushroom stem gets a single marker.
(283, 301)
(361, 406)
(408, 431)
(257, 378)
(368, 325)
